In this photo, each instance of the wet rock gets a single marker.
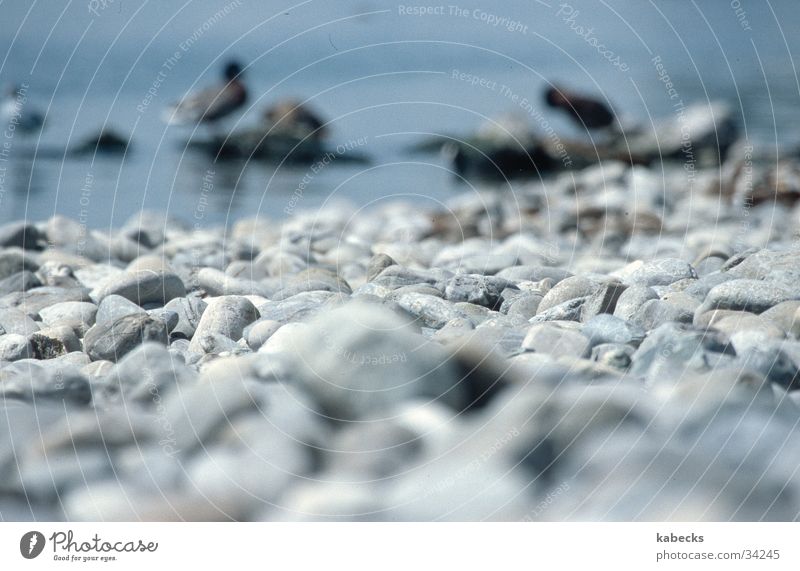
(533, 273)
(216, 283)
(377, 264)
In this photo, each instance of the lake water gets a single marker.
(384, 73)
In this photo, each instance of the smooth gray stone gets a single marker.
(15, 321)
(14, 347)
(51, 342)
(189, 309)
(377, 264)
(147, 228)
(781, 267)
(360, 360)
(226, 315)
(296, 308)
(747, 295)
(656, 312)
(21, 235)
(258, 333)
(147, 374)
(486, 291)
(632, 299)
(701, 287)
(21, 281)
(114, 306)
(396, 276)
(568, 311)
(169, 317)
(605, 328)
(216, 283)
(431, 311)
(556, 340)
(56, 274)
(566, 290)
(673, 348)
(68, 312)
(524, 305)
(604, 300)
(143, 287)
(533, 273)
(614, 355)
(14, 261)
(110, 341)
(32, 382)
(661, 272)
(36, 299)
(774, 364)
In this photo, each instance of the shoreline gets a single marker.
(563, 352)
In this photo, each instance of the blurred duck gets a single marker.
(210, 104)
(15, 111)
(586, 112)
(290, 117)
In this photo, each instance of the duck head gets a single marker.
(233, 71)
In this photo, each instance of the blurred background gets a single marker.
(376, 71)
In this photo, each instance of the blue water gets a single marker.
(378, 74)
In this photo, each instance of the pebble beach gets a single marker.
(612, 343)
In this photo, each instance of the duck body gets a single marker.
(210, 104)
(587, 112)
(291, 117)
